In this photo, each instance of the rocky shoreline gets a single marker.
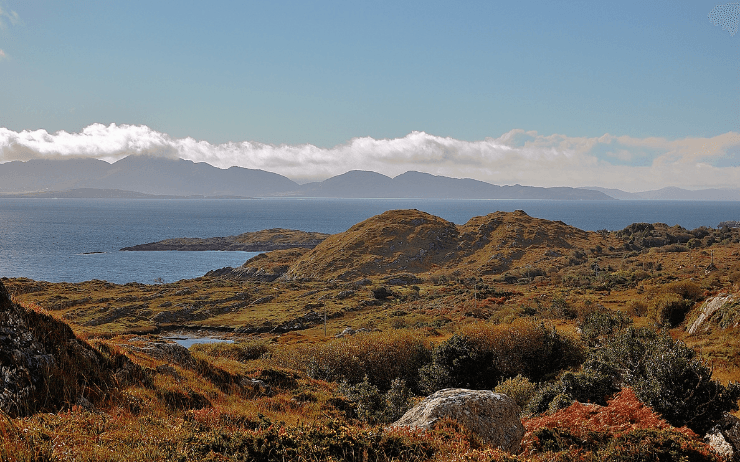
(259, 241)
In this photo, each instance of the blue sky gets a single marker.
(316, 77)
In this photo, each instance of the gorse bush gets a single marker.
(601, 323)
(380, 356)
(373, 406)
(686, 289)
(480, 355)
(459, 362)
(519, 388)
(664, 374)
(669, 309)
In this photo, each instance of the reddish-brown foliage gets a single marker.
(622, 414)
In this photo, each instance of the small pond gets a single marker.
(187, 341)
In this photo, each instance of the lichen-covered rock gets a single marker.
(707, 311)
(492, 417)
(724, 438)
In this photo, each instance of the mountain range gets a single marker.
(158, 177)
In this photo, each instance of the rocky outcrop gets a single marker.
(724, 438)
(265, 267)
(258, 241)
(165, 350)
(23, 361)
(249, 273)
(492, 417)
(718, 311)
(45, 367)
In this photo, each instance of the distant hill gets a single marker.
(49, 175)
(141, 174)
(673, 193)
(360, 183)
(161, 176)
(93, 193)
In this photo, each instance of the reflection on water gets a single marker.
(188, 341)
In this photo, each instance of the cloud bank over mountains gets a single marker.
(523, 157)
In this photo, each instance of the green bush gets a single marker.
(540, 402)
(669, 309)
(373, 406)
(588, 385)
(666, 375)
(479, 356)
(459, 362)
(602, 323)
(560, 401)
(518, 388)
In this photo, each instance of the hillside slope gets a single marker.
(417, 242)
(394, 241)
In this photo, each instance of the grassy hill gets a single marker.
(417, 242)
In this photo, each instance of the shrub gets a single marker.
(669, 309)
(332, 440)
(637, 308)
(602, 323)
(624, 430)
(686, 289)
(577, 257)
(519, 388)
(459, 362)
(673, 248)
(480, 355)
(559, 308)
(374, 407)
(734, 277)
(587, 386)
(381, 356)
(666, 375)
(240, 351)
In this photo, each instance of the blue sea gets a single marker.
(79, 239)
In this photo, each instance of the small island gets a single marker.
(258, 241)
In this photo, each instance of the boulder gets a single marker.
(708, 309)
(492, 417)
(724, 438)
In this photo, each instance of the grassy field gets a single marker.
(527, 302)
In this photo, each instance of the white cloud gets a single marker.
(518, 156)
(2, 54)
(8, 16)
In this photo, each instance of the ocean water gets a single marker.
(79, 239)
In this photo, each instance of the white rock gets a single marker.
(492, 417)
